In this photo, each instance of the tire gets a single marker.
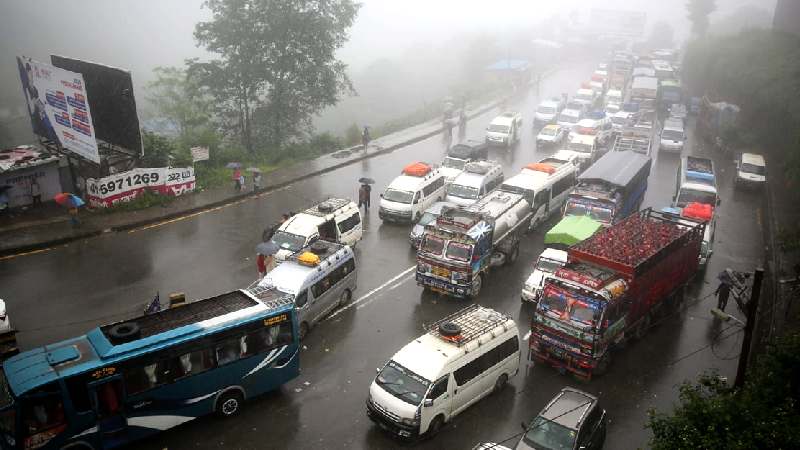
(603, 364)
(477, 283)
(345, 297)
(303, 330)
(500, 383)
(124, 332)
(229, 404)
(513, 256)
(436, 425)
(643, 327)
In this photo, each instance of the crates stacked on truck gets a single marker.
(632, 245)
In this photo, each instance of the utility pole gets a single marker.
(752, 309)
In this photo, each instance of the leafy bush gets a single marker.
(144, 200)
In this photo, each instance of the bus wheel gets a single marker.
(230, 403)
(303, 330)
(345, 297)
(476, 285)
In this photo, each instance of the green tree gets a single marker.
(764, 414)
(179, 98)
(699, 10)
(159, 151)
(277, 64)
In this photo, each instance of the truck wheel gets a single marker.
(644, 326)
(603, 364)
(500, 383)
(477, 282)
(514, 254)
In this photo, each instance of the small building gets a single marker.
(20, 166)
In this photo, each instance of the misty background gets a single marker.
(402, 55)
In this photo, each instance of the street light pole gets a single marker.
(752, 308)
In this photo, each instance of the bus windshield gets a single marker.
(403, 383)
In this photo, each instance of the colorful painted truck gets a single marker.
(613, 287)
(458, 250)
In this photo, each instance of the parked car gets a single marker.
(429, 216)
(571, 420)
(551, 135)
(751, 170)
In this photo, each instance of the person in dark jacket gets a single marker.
(723, 292)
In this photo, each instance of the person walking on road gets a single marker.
(237, 179)
(36, 193)
(256, 181)
(364, 197)
(723, 292)
(365, 137)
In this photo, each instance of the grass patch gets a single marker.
(146, 199)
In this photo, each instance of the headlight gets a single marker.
(458, 276)
(529, 287)
(409, 422)
(423, 267)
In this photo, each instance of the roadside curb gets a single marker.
(28, 248)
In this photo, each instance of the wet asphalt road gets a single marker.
(64, 292)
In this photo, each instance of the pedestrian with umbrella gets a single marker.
(723, 290)
(265, 259)
(72, 202)
(237, 175)
(364, 193)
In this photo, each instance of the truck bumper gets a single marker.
(443, 287)
(562, 361)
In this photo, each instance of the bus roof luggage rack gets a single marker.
(467, 324)
(197, 311)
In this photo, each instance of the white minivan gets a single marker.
(477, 179)
(751, 170)
(672, 136)
(547, 264)
(461, 359)
(411, 193)
(505, 129)
(320, 278)
(335, 220)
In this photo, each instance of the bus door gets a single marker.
(108, 401)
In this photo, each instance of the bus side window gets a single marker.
(43, 410)
(228, 351)
(193, 362)
(79, 393)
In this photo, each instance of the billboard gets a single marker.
(110, 92)
(58, 106)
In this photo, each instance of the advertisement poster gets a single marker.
(58, 107)
(126, 186)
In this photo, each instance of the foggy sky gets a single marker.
(141, 34)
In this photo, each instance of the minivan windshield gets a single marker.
(752, 168)
(672, 135)
(402, 383)
(459, 190)
(546, 434)
(454, 163)
(393, 195)
(687, 196)
(546, 110)
(288, 241)
(567, 118)
(494, 128)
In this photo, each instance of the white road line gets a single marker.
(371, 293)
(391, 288)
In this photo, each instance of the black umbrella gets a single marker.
(267, 248)
(366, 180)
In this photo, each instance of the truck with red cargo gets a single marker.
(612, 288)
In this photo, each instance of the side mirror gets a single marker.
(381, 195)
(427, 403)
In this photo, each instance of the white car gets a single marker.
(621, 120)
(551, 135)
(547, 111)
(569, 118)
(548, 262)
(751, 170)
(600, 128)
(504, 130)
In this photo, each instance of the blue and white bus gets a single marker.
(127, 380)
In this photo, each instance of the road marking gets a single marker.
(217, 208)
(32, 252)
(372, 292)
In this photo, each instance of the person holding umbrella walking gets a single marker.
(364, 193)
(72, 202)
(265, 259)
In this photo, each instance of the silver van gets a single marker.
(320, 277)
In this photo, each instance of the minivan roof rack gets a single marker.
(473, 321)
